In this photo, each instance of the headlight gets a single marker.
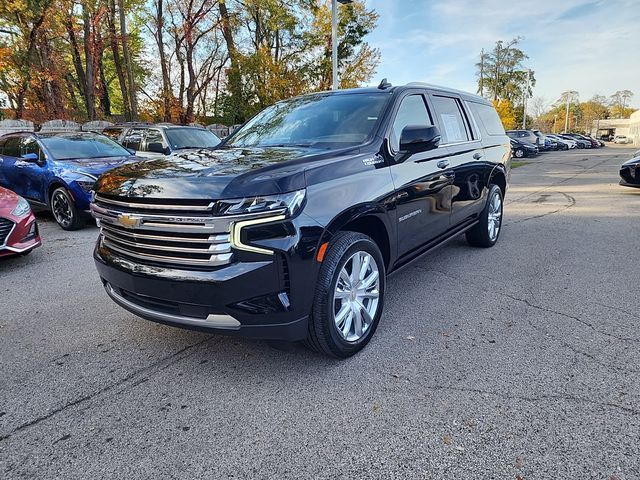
(288, 203)
(22, 208)
(86, 185)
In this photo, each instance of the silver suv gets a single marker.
(527, 136)
(163, 139)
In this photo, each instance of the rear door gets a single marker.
(422, 182)
(462, 138)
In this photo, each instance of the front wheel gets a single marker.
(486, 232)
(64, 210)
(519, 153)
(349, 296)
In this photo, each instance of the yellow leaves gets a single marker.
(506, 113)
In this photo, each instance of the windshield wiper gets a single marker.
(284, 145)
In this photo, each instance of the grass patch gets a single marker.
(517, 163)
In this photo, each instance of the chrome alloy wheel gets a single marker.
(61, 209)
(495, 216)
(356, 295)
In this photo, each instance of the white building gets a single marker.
(630, 127)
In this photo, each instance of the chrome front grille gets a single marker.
(175, 233)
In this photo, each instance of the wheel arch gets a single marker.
(53, 185)
(371, 220)
(499, 177)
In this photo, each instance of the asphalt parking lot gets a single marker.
(521, 361)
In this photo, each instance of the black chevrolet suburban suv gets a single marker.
(288, 229)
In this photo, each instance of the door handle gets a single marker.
(443, 164)
(477, 156)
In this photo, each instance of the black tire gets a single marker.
(324, 336)
(64, 210)
(519, 153)
(479, 235)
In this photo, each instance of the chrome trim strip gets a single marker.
(150, 206)
(215, 260)
(224, 238)
(213, 320)
(236, 230)
(217, 248)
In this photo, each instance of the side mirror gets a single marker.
(157, 148)
(30, 157)
(419, 138)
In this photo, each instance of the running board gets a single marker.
(418, 254)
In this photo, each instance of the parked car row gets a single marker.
(528, 143)
(57, 171)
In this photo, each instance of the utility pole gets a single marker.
(481, 87)
(334, 41)
(568, 95)
(524, 100)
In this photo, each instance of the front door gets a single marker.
(32, 174)
(422, 182)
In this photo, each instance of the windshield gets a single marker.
(191, 138)
(83, 146)
(321, 121)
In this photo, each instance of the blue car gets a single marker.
(57, 171)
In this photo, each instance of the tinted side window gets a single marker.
(412, 111)
(30, 145)
(488, 117)
(12, 147)
(133, 139)
(154, 136)
(451, 120)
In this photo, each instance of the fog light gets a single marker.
(33, 231)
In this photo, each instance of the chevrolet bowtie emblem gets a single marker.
(129, 221)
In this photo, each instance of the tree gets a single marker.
(501, 74)
(506, 113)
(619, 101)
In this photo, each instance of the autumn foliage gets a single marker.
(173, 60)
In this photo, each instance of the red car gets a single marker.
(18, 227)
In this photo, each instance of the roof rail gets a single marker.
(20, 132)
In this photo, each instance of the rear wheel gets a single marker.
(64, 210)
(349, 296)
(486, 232)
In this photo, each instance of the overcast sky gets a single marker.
(592, 47)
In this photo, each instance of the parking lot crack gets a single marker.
(158, 364)
(538, 398)
(572, 317)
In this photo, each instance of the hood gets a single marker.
(8, 200)
(217, 173)
(634, 161)
(96, 166)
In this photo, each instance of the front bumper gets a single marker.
(23, 237)
(630, 175)
(247, 298)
